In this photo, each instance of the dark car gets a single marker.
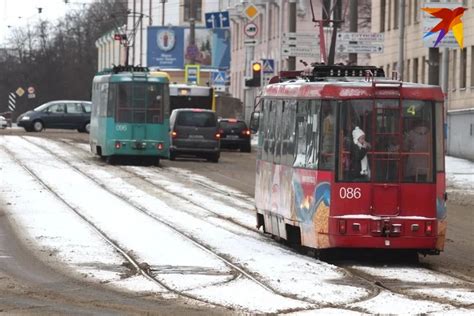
(234, 134)
(194, 132)
(64, 114)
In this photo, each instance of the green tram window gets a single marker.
(138, 102)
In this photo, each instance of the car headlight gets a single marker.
(25, 118)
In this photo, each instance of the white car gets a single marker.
(3, 122)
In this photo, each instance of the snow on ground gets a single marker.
(175, 260)
(460, 174)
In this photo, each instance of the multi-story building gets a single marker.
(460, 89)
(272, 21)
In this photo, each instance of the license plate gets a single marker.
(196, 136)
(232, 136)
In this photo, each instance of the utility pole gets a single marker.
(163, 12)
(353, 26)
(401, 38)
(335, 24)
(192, 29)
(292, 29)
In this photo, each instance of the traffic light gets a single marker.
(256, 80)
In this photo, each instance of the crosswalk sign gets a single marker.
(218, 78)
(268, 66)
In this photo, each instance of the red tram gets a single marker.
(320, 184)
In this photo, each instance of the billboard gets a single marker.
(168, 47)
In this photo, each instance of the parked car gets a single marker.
(3, 122)
(194, 132)
(64, 114)
(234, 134)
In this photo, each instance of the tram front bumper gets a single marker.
(383, 233)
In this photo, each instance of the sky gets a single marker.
(17, 13)
(307, 284)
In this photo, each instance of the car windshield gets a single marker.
(197, 119)
(42, 107)
(232, 124)
(87, 107)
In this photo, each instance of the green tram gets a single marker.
(130, 114)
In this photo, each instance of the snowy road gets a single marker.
(166, 231)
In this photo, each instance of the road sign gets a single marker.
(250, 42)
(301, 35)
(300, 52)
(251, 29)
(191, 74)
(359, 48)
(12, 101)
(20, 91)
(359, 37)
(218, 78)
(251, 12)
(217, 19)
(268, 66)
(31, 90)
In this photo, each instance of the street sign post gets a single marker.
(216, 20)
(191, 74)
(251, 29)
(304, 44)
(361, 43)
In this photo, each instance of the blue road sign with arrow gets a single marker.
(215, 20)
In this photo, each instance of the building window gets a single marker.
(472, 66)
(407, 71)
(462, 69)
(396, 13)
(455, 63)
(423, 69)
(196, 10)
(389, 15)
(416, 11)
(415, 69)
(382, 16)
(408, 16)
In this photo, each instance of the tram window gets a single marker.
(328, 130)
(277, 131)
(271, 131)
(103, 96)
(289, 119)
(312, 135)
(110, 105)
(354, 162)
(265, 128)
(301, 126)
(418, 141)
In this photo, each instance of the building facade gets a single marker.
(460, 89)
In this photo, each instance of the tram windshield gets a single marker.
(386, 142)
(137, 102)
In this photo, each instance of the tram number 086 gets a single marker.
(350, 193)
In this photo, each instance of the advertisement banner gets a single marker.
(168, 47)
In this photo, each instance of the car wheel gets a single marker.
(38, 126)
(214, 158)
(87, 127)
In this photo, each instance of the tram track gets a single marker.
(239, 270)
(403, 288)
(374, 284)
(140, 268)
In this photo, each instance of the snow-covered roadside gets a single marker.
(460, 180)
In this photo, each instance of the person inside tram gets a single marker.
(417, 143)
(359, 169)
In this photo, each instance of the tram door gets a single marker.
(386, 157)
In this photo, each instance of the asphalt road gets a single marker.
(27, 285)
